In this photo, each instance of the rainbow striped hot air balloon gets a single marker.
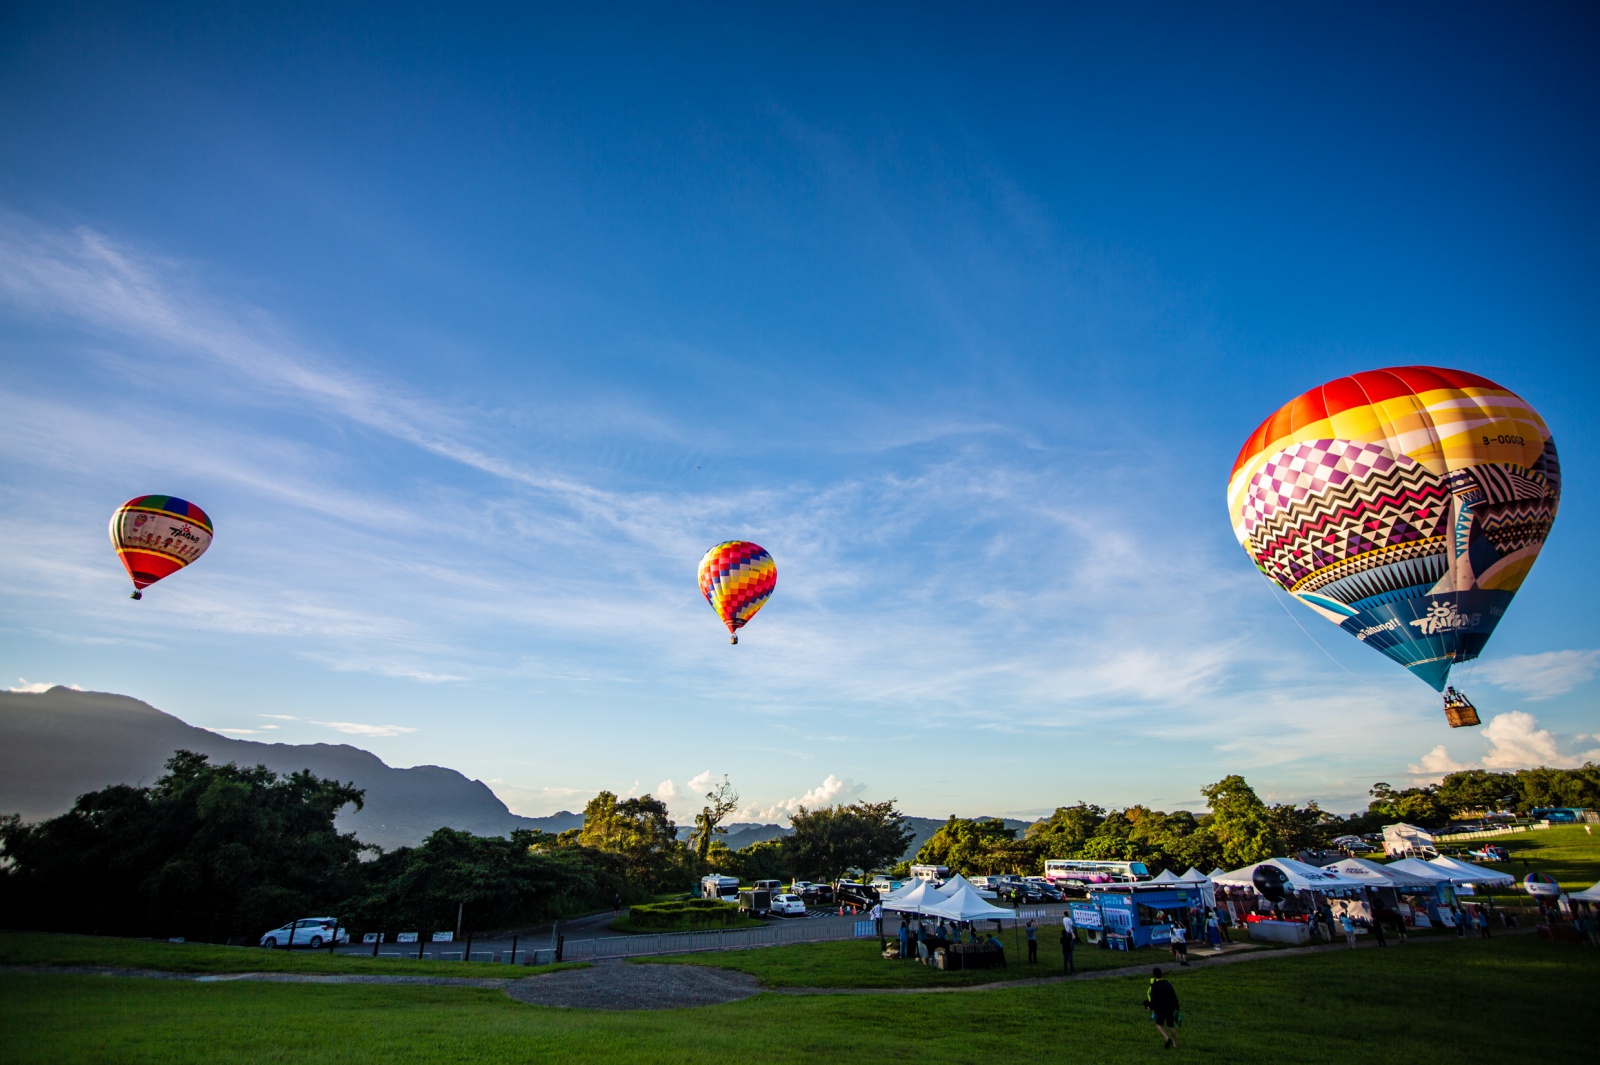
(737, 578)
(1404, 505)
(156, 536)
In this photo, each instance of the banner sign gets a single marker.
(372, 937)
(443, 937)
(406, 937)
(1085, 916)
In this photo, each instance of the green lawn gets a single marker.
(858, 963)
(1566, 853)
(43, 948)
(1403, 1005)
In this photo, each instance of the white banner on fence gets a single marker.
(372, 937)
(443, 937)
(406, 937)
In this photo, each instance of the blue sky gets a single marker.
(473, 329)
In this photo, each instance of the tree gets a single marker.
(1239, 823)
(1417, 806)
(976, 847)
(829, 841)
(722, 800)
(207, 852)
(1065, 832)
(641, 832)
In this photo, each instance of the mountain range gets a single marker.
(59, 744)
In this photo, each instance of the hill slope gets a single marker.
(59, 744)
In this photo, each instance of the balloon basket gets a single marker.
(1460, 713)
(136, 595)
(733, 639)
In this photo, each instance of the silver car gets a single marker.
(310, 932)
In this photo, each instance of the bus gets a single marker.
(1078, 872)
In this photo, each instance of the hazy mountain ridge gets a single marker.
(59, 744)
(62, 743)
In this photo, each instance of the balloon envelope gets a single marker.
(737, 578)
(1405, 505)
(156, 536)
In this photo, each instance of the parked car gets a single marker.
(787, 905)
(853, 894)
(1490, 852)
(313, 932)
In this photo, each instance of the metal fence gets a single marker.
(1488, 832)
(812, 930)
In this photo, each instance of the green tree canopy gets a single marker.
(642, 833)
(830, 841)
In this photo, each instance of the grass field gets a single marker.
(1566, 853)
(42, 948)
(857, 963)
(1403, 1005)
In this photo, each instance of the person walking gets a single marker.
(1483, 925)
(1180, 944)
(1213, 930)
(905, 939)
(1032, 932)
(616, 905)
(1069, 942)
(1162, 1002)
(1377, 929)
(1461, 923)
(1349, 927)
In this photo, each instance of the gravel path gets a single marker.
(635, 987)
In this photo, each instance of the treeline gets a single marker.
(1239, 828)
(220, 852)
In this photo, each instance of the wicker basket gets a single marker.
(1461, 715)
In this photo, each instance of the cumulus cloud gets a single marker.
(832, 790)
(702, 782)
(357, 729)
(39, 686)
(1544, 675)
(666, 790)
(1514, 740)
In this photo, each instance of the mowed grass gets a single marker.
(43, 948)
(857, 963)
(1403, 1005)
(1567, 853)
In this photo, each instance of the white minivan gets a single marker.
(310, 932)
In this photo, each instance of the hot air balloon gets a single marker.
(737, 578)
(1404, 505)
(156, 536)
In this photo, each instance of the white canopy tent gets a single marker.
(965, 904)
(922, 897)
(957, 881)
(1193, 876)
(1375, 875)
(1475, 874)
(1587, 894)
(1423, 871)
(1302, 877)
(1163, 877)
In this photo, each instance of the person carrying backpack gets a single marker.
(1162, 1002)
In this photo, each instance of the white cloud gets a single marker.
(831, 791)
(1544, 675)
(1436, 763)
(538, 801)
(356, 729)
(280, 717)
(244, 731)
(39, 686)
(701, 782)
(666, 790)
(1514, 740)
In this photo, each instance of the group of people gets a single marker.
(921, 940)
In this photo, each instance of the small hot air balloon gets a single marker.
(737, 578)
(156, 536)
(1404, 505)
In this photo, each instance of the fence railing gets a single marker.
(1489, 832)
(813, 930)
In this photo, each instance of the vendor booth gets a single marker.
(1280, 897)
(1461, 872)
(1139, 915)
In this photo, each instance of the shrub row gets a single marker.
(686, 913)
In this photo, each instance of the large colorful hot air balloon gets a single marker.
(737, 578)
(1404, 505)
(156, 536)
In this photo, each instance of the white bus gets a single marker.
(1079, 872)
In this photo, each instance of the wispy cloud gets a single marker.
(354, 728)
(263, 730)
(1544, 675)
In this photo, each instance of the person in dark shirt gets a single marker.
(1069, 941)
(1162, 1002)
